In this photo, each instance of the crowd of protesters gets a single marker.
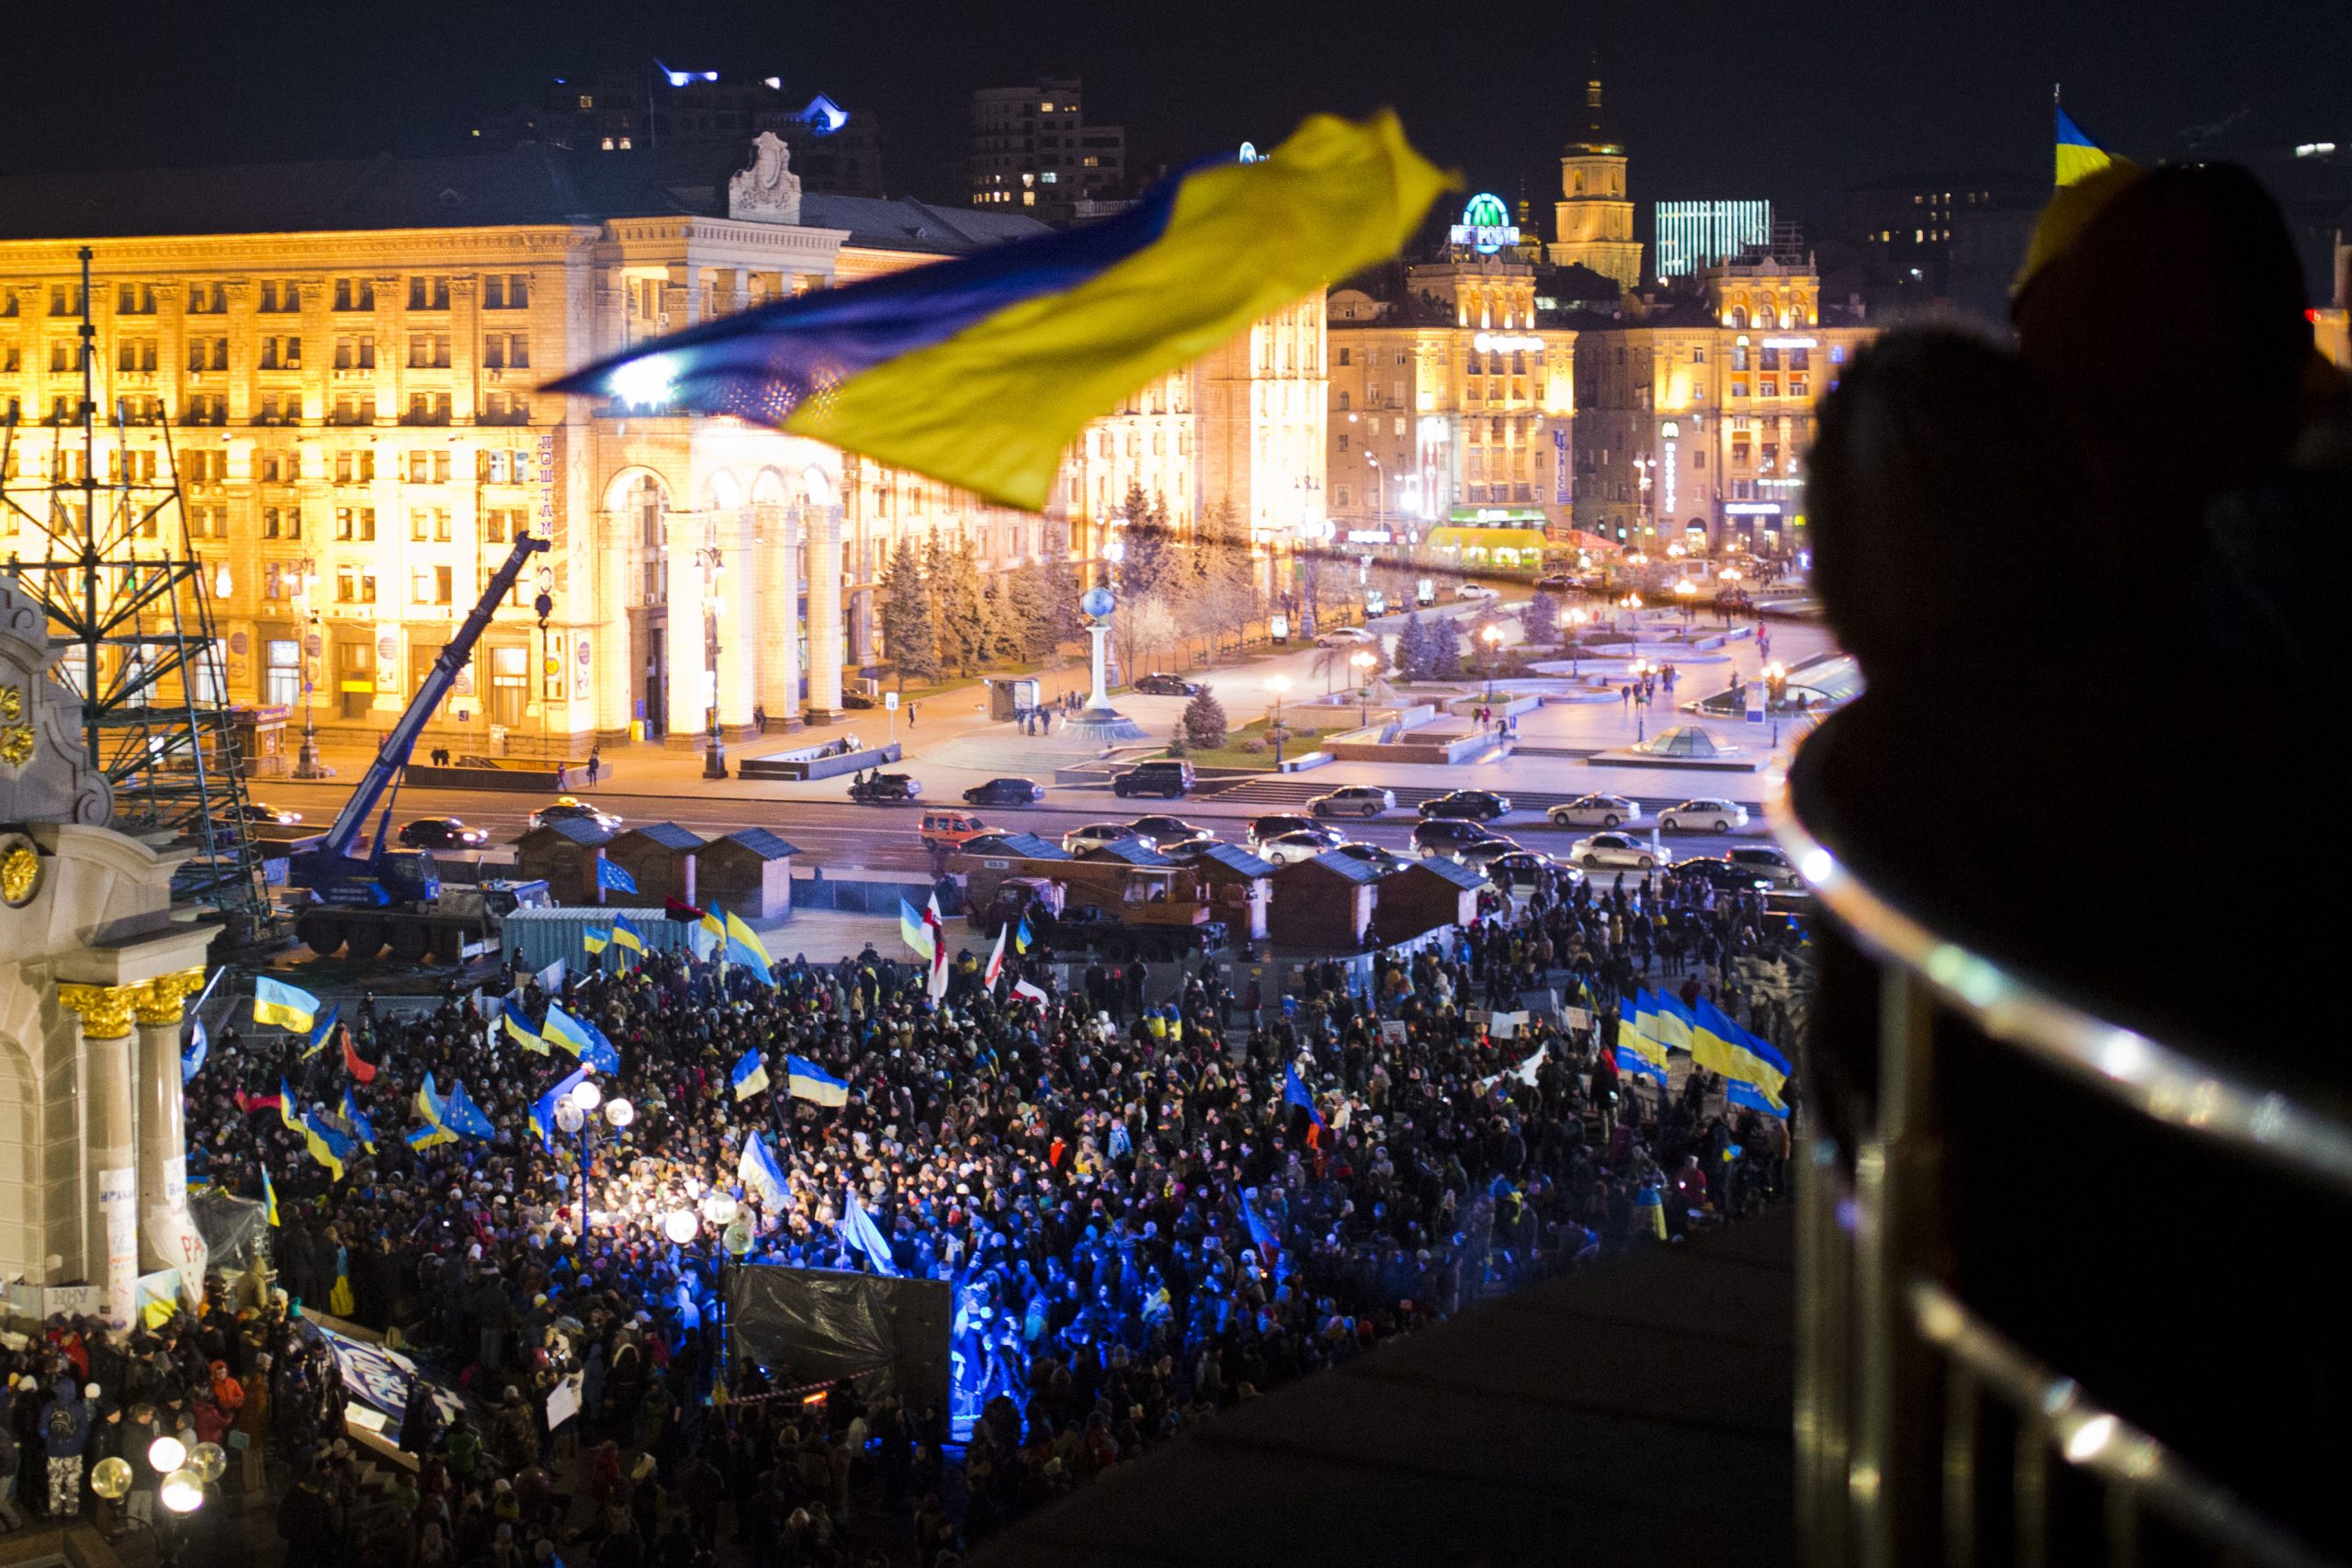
(1140, 1227)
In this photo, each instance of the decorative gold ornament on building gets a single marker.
(20, 870)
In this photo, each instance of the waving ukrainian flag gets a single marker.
(979, 371)
(2077, 155)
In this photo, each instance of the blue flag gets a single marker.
(361, 1128)
(613, 878)
(1753, 1099)
(543, 1107)
(460, 1114)
(192, 1059)
(1294, 1093)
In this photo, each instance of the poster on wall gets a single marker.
(119, 1206)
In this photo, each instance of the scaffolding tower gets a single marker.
(106, 551)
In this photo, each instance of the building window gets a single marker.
(506, 351)
(207, 299)
(1739, 387)
(429, 351)
(207, 354)
(355, 352)
(282, 675)
(427, 408)
(428, 293)
(281, 295)
(506, 291)
(134, 354)
(134, 300)
(65, 298)
(431, 584)
(280, 354)
(354, 293)
(1345, 355)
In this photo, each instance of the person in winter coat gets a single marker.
(66, 1429)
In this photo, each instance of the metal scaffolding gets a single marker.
(107, 554)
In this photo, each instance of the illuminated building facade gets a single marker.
(1693, 235)
(1032, 151)
(1450, 410)
(1593, 220)
(352, 410)
(1695, 410)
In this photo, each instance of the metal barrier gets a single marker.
(1970, 1391)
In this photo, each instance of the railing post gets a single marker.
(1893, 1472)
(1824, 1398)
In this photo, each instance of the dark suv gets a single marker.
(1170, 777)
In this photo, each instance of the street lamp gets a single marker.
(1277, 684)
(577, 1116)
(1493, 637)
(1366, 664)
(1641, 672)
(306, 762)
(1572, 624)
(1683, 589)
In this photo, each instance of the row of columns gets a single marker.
(755, 586)
(135, 1214)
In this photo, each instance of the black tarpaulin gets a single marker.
(234, 1229)
(817, 1325)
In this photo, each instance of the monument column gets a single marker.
(111, 1203)
(167, 1235)
(779, 616)
(824, 612)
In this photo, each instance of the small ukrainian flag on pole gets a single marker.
(289, 1007)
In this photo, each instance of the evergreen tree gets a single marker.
(1228, 573)
(1030, 603)
(955, 591)
(1004, 616)
(1180, 742)
(1446, 651)
(1204, 722)
(1541, 618)
(1145, 571)
(909, 638)
(1414, 654)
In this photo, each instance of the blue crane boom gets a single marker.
(336, 844)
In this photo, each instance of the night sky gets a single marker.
(1826, 95)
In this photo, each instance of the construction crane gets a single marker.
(366, 897)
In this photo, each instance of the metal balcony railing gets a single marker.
(2065, 1287)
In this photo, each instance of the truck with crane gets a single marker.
(352, 893)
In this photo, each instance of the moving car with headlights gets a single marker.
(1095, 835)
(1720, 874)
(886, 789)
(1525, 871)
(1767, 863)
(1703, 814)
(1160, 683)
(1477, 855)
(1287, 849)
(566, 809)
(1474, 805)
(1622, 851)
(260, 811)
(1595, 811)
(1005, 792)
(1188, 846)
(1264, 827)
(1353, 800)
(1344, 636)
(1442, 835)
(946, 829)
(1475, 590)
(1161, 829)
(1380, 860)
(442, 834)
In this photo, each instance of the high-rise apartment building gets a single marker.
(1032, 151)
(1693, 235)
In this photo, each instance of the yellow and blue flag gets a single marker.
(582, 1039)
(744, 947)
(758, 1171)
(1633, 1064)
(1665, 1019)
(357, 1120)
(1754, 1098)
(520, 1029)
(982, 371)
(430, 1105)
(289, 1007)
(595, 939)
(318, 1035)
(1631, 1038)
(625, 934)
(859, 1231)
(269, 1195)
(751, 1075)
(286, 1114)
(804, 1079)
(1022, 936)
(543, 1107)
(913, 931)
(2079, 155)
(429, 1137)
(1726, 1043)
(328, 1147)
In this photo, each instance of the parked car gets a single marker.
(1353, 800)
(1160, 683)
(1719, 872)
(858, 700)
(1096, 835)
(1525, 868)
(1556, 582)
(1595, 811)
(566, 809)
(261, 811)
(1169, 776)
(1768, 862)
(1344, 636)
(1475, 590)
(1622, 851)
(1702, 814)
(1287, 849)
(442, 834)
(1479, 853)
(950, 829)
(1381, 859)
(1005, 792)
(1443, 835)
(1161, 829)
(1263, 828)
(1478, 804)
(886, 789)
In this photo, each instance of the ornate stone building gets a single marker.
(341, 361)
(95, 970)
(1593, 220)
